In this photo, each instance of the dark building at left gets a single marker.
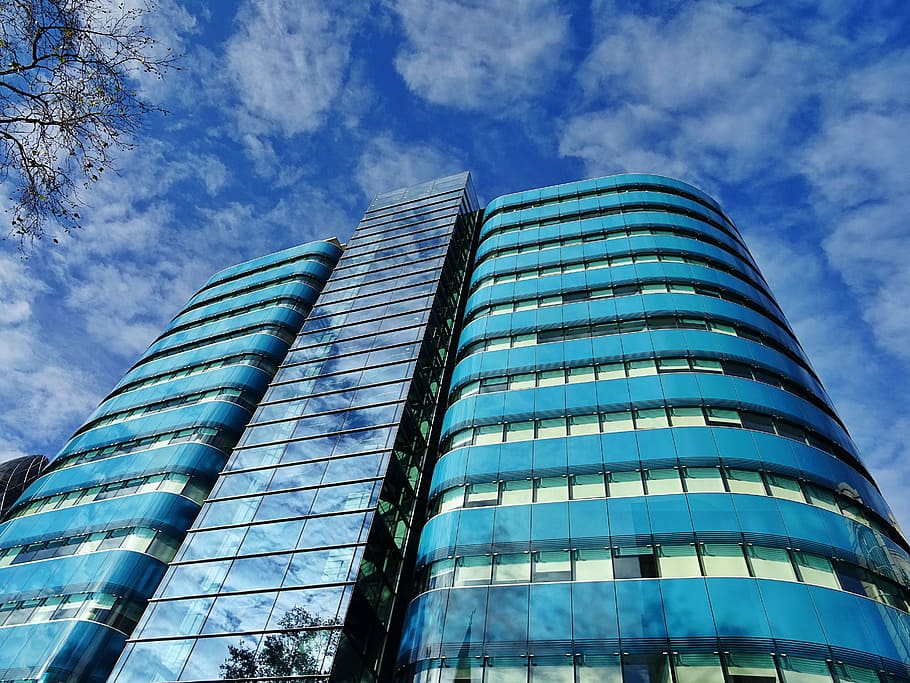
(15, 477)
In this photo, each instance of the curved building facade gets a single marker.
(15, 477)
(642, 478)
(86, 545)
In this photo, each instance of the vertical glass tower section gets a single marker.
(86, 545)
(641, 477)
(294, 567)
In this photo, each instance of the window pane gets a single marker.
(551, 428)
(625, 484)
(611, 371)
(700, 479)
(517, 492)
(512, 568)
(525, 381)
(634, 563)
(472, 571)
(616, 422)
(663, 481)
(599, 669)
(678, 560)
(771, 563)
(593, 564)
(687, 417)
(723, 560)
(520, 431)
(549, 378)
(698, 668)
(587, 486)
(585, 374)
(652, 418)
(821, 497)
(785, 487)
(555, 565)
(584, 424)
(751, 668)
(451, 499)
(745, 481)
(673, 364)
(482, 494)
(488, 434)
(816, 570)
(639, 368)
(551, 488)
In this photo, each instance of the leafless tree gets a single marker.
(68, 102)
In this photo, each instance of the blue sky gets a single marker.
(289, 115)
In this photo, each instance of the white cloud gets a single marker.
(386, 164)
(287, 64)
(481, 55)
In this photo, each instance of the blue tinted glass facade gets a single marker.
(86, 545)
(298, 560)
(641, 477)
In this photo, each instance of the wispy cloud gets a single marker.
(486, 55)
(387, 163)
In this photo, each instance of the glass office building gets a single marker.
(569, 438)
(85, 547)
(641, 476)
(299, 563)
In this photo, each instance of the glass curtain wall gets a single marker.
(641, 477)
(86, 545)
(293, 568)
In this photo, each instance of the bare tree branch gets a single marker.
(68, 102)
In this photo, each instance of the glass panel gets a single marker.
(611, 371)
(771, 563)
(816, 569)
(442, 574)
(555, 565)
(482, 494)
(488, 434)
(520, 431)
(652, 418)
(616, 422)
(525, 381)
(749, 668)
(745, 481)
(517, 492)
(587, 486)
(634, 563)
(599, 669)
(584, 424)
(799, 670)
(785, 487)
(451, 499)
(593, 564)
(703, 479)
(678, 560)
(512, 568)
(645, 669)
(723, 560)
(548, 378)
(687, 417)
(698, 668)
(821, 497)
(639, 368)
(554, 427)
(551, 489)
(584, 374)
(473, 571)
(663, 481)
(625, 484)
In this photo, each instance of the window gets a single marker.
(799, 670)
(593, 564)
(520, 431)
(770, 563)
(584, 424)
(451, 499)
(524, 381)
(816, 569)
(548, 378)
(751, 668)
(822, 498)
(480, 495)
(488, 434)
(678, 561)
(584, 374)
(639, 368)
(745, 481)
(703, 479)
(721, 417)
(549, 489)
(784, 487)
(663, 481)
(517, 492)
(698, 668)
(687, 417)
(550, 428)
(611, 371)
(672, 364)
(651, 418)
(723, 560)
(587, 486)
(512, 568)
(472, 571)
(625, 484)
(555, 565)
(616, 422)
(634, 563)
